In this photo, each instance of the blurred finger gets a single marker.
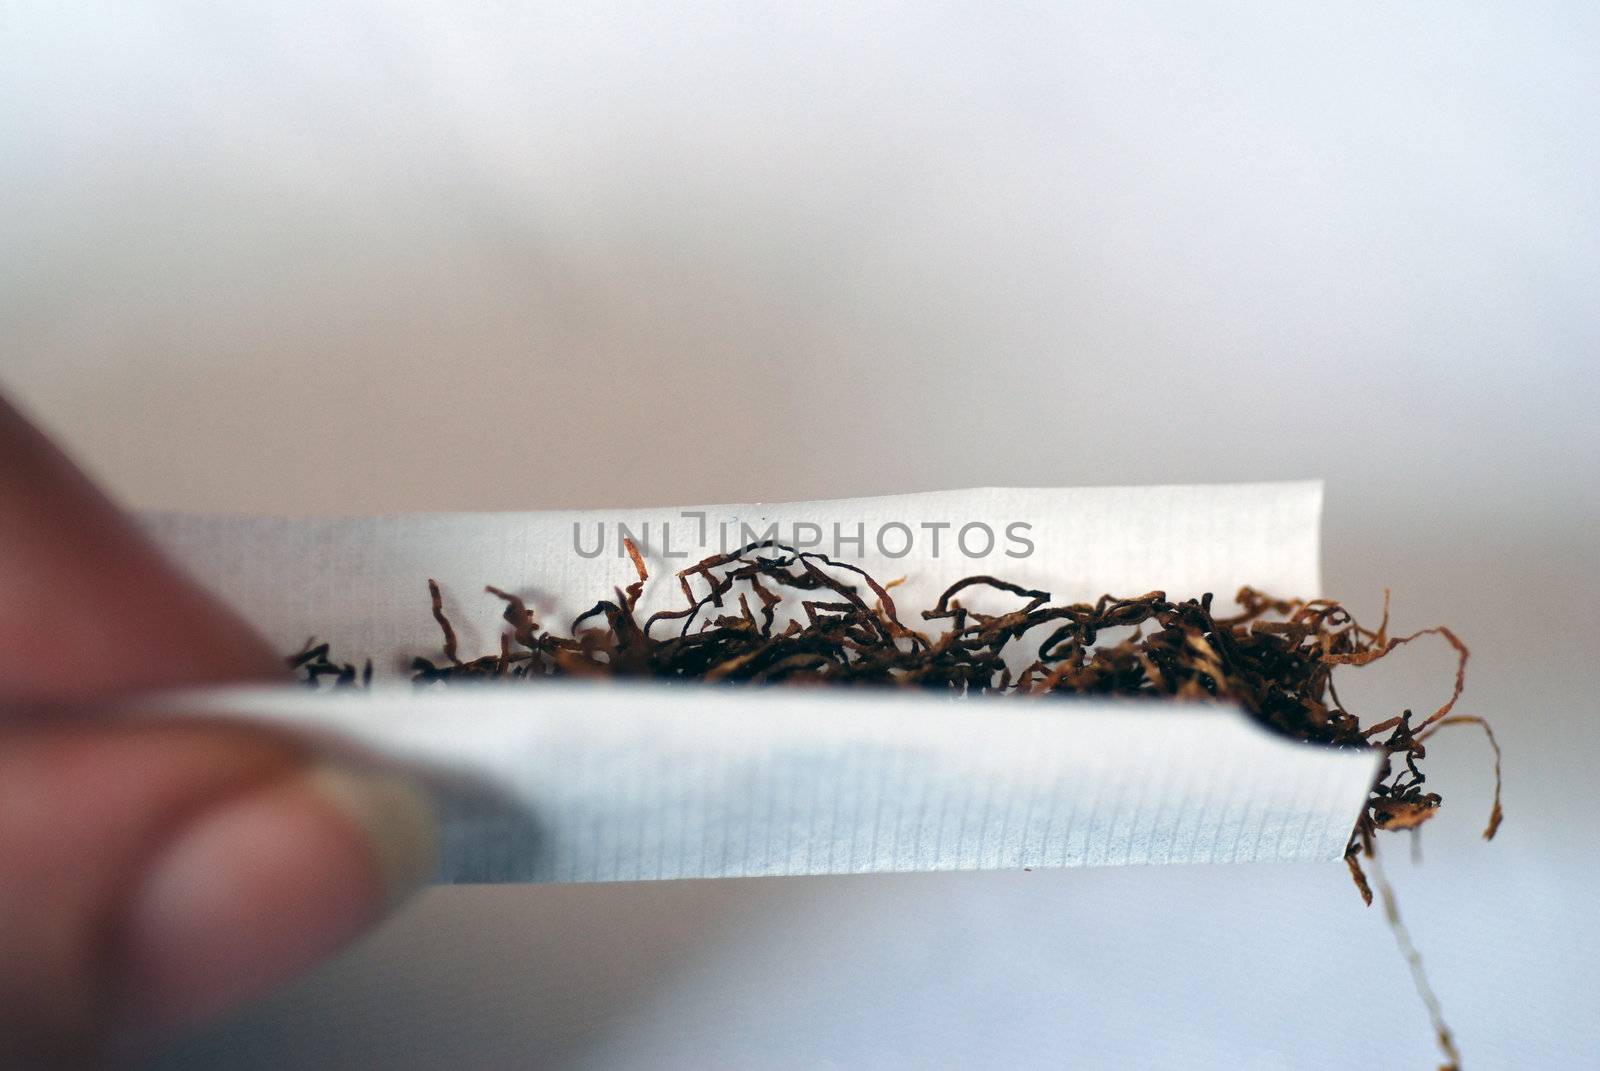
(87, 604)
(157, 875)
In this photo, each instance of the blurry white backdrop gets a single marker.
(301, 258)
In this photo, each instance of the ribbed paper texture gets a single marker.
(572, 782)
(621, 783)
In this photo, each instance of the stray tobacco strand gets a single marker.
(1442, 1034)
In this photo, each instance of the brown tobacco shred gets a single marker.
(771, 614)
(1419, 977)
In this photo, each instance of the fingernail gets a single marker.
(397, 818)
(261, 887)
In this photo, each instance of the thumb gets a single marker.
(156, 876)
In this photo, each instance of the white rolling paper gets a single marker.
(602, 782)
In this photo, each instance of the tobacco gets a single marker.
(770, 614)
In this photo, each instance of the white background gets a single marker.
(348, 258)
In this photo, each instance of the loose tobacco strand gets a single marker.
(1496, 814)
(1419, 977)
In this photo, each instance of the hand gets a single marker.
(153, 876)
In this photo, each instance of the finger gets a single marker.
(158, 875)
(87, 604)
(152, 876)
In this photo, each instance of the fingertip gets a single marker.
(259, 889)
